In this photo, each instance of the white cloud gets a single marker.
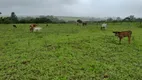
(94, 8)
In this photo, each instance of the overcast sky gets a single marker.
(88, 8)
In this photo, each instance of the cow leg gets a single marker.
(120, 40)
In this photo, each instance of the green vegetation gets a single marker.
(42, 19)
(69, 52)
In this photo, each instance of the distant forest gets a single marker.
(13, 18)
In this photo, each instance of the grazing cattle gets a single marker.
(14, 26)
(32, 26)
(123, 34)
(104, 26)
(79, 21)
(84, 23)
(37, 29)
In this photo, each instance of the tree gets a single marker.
(132, 18)
(118, 19)
(14, 17)
(6, 20)
(109, 19)
(126, 19)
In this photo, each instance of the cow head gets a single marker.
(116, 33)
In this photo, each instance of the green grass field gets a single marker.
(69, 52)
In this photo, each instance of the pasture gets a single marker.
(69, 52)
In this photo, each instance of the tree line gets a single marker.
(51, 19)
(41, 19)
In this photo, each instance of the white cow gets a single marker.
(104, 26)
(37, 29)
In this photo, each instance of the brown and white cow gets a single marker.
(32, 26)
